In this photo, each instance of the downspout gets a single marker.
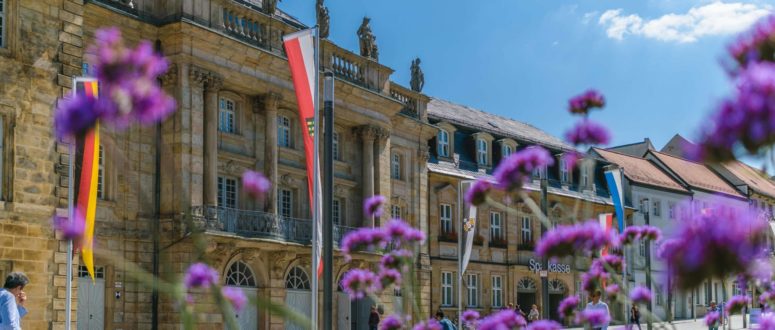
(155, 221)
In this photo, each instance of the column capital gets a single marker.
(214, 82)
(170, 77)
(269, 101)
(207, 79)
(382, 134)
(198, 76)
(370, 132)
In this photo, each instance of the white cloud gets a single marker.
(588, 17)
(713, 19)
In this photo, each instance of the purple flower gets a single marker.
(568, 306)
(200, 275)
(514, 170)
(396, 259)
(70, 230)
(613, 261)
(372, 207)
(612, 289)
(572, 158)
(640, 295)
(736, 303)
(593, 279)
(357, 283)
(364, 239)
(235, 296)
(587, 132)
(712, 319)
(470, 317)
(75, 115)
(717, 243)
(756, 44)
(255, 183)
(767, 321)
(389, 276)
(477, 193)
(594, 317)
(427, 325)
(565, 240)
(400, 231)
(590, 99)
(505, 319)
(392, 322)
(544, 325)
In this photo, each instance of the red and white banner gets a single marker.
(607, 222)
(300, 48)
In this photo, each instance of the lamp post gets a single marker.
(328, 193)
(545, 261)
(645, 210)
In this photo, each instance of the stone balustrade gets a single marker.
(354, 68)
(412, 101)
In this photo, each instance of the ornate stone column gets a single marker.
(195, 121)
(368, 134)
(213, 84)
(271, 101)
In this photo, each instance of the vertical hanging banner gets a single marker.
(87, 158)
(300, 48)
(614, 179)
(607, 222)
(469, 230)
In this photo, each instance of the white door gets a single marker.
(91, 303)
(343, 317)
(247, 318)
(301, 302)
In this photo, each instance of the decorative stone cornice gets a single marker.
(271, 101)
(198, 76)
(170, 77)
(250, 254)
(214, 83)
(279, 261)
(205, 78)
(371, 132)
(382, 134)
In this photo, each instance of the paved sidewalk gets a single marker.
(699, 324)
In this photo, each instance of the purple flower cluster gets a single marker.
(401, 232)
(200, 275)
(477, 193)
(590, 99)
(767, 321)
(470, 317)
(505, 319)
(640, 295)
(357, 283)
(389, 276)
(613, 261)
(367, 239)
(568, 306)
(235, 296)
(392, 322)
(612, 290)
(712, 319)
(719, 242)
(427, 325)
(128, 87)
(736, 303)
(566, 240)
(593, 279)
(397, 259)
(593, 317)
(514, 170)
(70, 230)
(756, 45)
(587, 132)
(373, 206)
(633, 233)
(544, 325)
(255, 184)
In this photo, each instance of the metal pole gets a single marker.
(459, 224)
(646, 207)
(328, 207)
(70, 216)
(315, 195)
(545, 261)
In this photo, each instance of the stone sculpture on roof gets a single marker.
(418, 78)
(322, 17)
(367, 40)
(270, 6)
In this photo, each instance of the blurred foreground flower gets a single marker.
(565, 240)
(427, 325)
(544, 325)
(758, 44)
(200, 275)
(255, 184)
(587, 132)
(589, 100)
(594, 317)
(512, 172)
(505, 319)
(392, 322)
(70, 230)
(372, 207)
(640, 295)
(470, 317)
(712, 319)
(357, 283)
(477, 193)
(235, 296)
(568, 306)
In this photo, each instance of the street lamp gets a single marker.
(645, 210)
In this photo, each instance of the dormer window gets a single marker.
(584, 176)
(539, 173)
(481, 152)
(564, 175)
(506, 150)
(443, 143)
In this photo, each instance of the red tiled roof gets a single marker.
(696, 175)
(754, 178)
(641, 170)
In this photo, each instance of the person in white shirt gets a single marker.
(596, 303)
(12, 298)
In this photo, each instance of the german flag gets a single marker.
(86, 172)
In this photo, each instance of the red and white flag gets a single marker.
(300, 48)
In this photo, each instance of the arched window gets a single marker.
(557, 287)
(297, 279)
(526, 284)
(239, 274)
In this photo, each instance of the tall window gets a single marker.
(495, 225)
(481, 152)
(527, 231)
(642, 248)
(564, 176)
(2, 24)
(285, 203)
(539, 172)
(497, 291)
(100, 171)
(657, 206)
(395, 166)
(443, 143)
(446, 288)
(506, 150)
(227, 192)
(226, 115)
(584, 176)
(335, 146)
(445, 215)
(658, 295)
(473, 290)
(337, 210)
(284, 131)
(671, 210)
(395, 211)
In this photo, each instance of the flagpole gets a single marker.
(316, 184)
(459, 225)
(70, 215)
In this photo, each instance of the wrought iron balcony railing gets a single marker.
(257, 224)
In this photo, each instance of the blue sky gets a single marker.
(656, 61)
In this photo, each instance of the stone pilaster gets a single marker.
(368, 135)
(383, 184)
(271, 101)
(197, 79)
(213, 84)
(170, 175)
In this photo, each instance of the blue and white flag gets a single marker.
(614, 179)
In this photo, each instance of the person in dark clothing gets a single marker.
(635, 316)
(373, 318)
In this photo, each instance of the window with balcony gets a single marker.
(226, 111)
(473, 290)
(227, 192)
(395, 166)
(285, 203)
(443, 143)
(527, 231)
(335, 146)
(481, 152)
(497, 291)
(445, 215)
(284, 131)
(446, 289)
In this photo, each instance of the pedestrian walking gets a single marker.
(12, 299)
(635, 316)
(373, 318)
(446, 324)
(596, 303)
(534, 314)
(714, 308)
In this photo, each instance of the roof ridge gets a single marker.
(619, 153)
(490, 113)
